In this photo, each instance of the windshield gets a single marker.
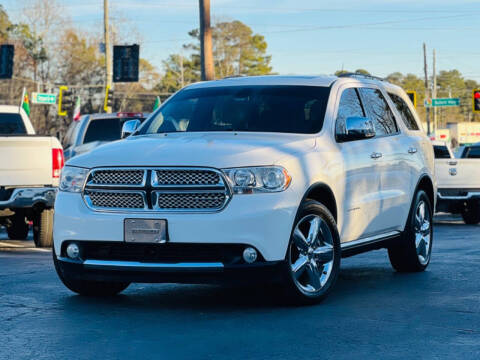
(105, 129)
(11, 123)
(286, 109)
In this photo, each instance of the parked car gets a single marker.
(271, 178)
(458, 182)
(96, 129)
(470, 151)
(29, 176)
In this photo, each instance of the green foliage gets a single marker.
(5, 24)
(236, 51)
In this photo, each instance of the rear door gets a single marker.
(361, 197)
(393, 166)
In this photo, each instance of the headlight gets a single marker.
(251, 180)
(72, 179)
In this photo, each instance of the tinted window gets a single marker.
(288, 109)
(349, 106)
(378, 110)
(441, 152)
(11, 124)
(405, 112)
(472, 152)
(68, 140)
(105, 129)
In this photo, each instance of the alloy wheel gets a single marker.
(422, 232)
(311, 254)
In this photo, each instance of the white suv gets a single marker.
(245, 179)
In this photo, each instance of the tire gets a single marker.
(43, 229)
(412, 252)
(18, 230)
(311, 267)
(89, 288)
(471, 213)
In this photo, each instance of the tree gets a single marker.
(236, 51)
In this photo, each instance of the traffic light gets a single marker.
(7, 52)
(412, 94)
(65, 101)
(108, 102)
(476, 100)
(125, 63)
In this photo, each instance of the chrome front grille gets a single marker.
(117, 177)
(115, 199)
(194, 200)
(157, 189)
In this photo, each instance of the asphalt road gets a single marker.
(373, 313)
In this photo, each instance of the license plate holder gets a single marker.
(151, 231)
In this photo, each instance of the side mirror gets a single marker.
(357, 128)
(129, 127)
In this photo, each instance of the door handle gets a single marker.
(412, 150)
(376, 155)
(452, 163)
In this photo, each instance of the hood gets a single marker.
(84, 148)
(218, 150)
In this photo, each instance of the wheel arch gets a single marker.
(426, 184)
(322, 193)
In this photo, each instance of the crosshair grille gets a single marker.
(186, 177)
(117, 177)
(157, 189)
(210, 201)
(119, 200)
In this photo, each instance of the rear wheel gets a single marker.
(313, 256)
(412, 252)
(471, 213)
(89, 288)
(43, 228)
(18, 229)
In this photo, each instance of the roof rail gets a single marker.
(366, 76)
(233, 76)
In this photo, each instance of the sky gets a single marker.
(309, 36)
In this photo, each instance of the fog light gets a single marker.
(73, 251)
(249, 255)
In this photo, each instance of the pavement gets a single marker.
(372, 313)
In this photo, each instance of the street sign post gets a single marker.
(445, 102)
(44, 98)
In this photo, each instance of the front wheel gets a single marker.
(412, 252)
(313, 256)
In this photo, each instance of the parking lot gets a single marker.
(372, 310)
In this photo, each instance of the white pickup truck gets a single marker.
(458, 182)
(29, 174)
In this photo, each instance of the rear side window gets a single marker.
(405, 112)
(441, 152)
(11, 124)
(379, 111)
(350, 106)
(472, 152)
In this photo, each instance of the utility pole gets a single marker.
(434, 92)
(108, 53)
(206, 55)
(427, 90)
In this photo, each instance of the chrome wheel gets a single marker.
(311, 254)
(422, 232)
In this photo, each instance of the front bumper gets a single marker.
(29, 197)
(190, 273)
(263, 221)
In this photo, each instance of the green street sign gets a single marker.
(44, 98)
(445, 102)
